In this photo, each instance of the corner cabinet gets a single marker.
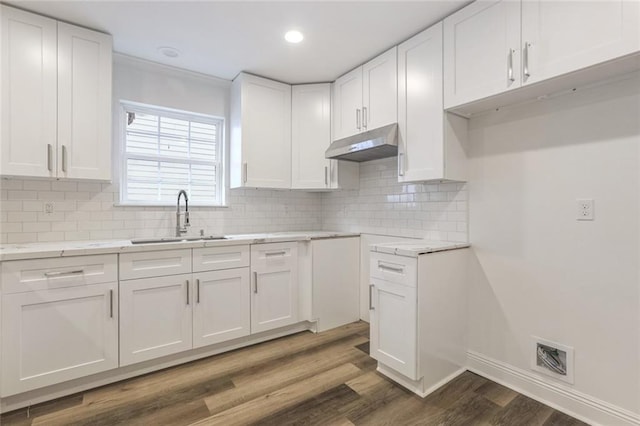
(366, 98)
(311, 136)
(59, 320)
(274, 295)
(431, 142)
(56, 110)
(260, 155)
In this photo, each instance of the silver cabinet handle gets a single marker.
(187, 292)
(110, 303)
(358, 118)
(525, 60)
(510, 76)
(400, 164)
(64, 158)
(364, 117)
(245, 171)
(255, 282)
(276, 253)
(371, 308)
(57, 274)
(50, 157)
(326, 176)
(197, 291)
(386, 267)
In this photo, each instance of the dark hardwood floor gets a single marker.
(304, 379)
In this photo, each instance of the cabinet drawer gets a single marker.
(154, 264)
(42, 274)
(216, 258)
(395, 269)
(274, 255)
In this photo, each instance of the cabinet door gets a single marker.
(266, 133)
(481, 51)
(51, 336)
(380, 90)
(310, 136)
(274, 295)
(29, 84)
(84, 103)
(155, 317)
(221, 309)
(347, 104)
(564, 36)
(394, 319)
(420, 113)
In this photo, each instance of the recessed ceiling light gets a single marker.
(293, 36)
(169, 52)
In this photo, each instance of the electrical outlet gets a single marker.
(584, 209)
(48, 208)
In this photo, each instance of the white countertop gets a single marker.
(416, 248)
(81, 248)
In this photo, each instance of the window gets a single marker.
(165, 151)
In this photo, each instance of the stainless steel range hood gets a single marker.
(370, 145)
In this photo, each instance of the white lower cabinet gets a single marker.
(221, 309)
(393, 319)
(57, 323)
(417, 308)
(155, 317)
(274, 296)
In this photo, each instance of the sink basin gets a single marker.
(177, 239)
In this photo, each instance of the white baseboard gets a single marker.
(556, 395)
(417, 386)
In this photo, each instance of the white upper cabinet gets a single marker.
(311, 136)
(563, 36)
(347, 104)
(481, 51)
(494, 46)
(367, 97)
(56, 99)
(380, 91)
(84, 103)
(431, 143)
(29, 63)
(260, 133)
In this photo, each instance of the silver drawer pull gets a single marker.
(110, 303)
(383, 266)
(276, 253)
(255, 282)
(60, 273)
(187, 292)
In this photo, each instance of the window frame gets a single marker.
(136, 107)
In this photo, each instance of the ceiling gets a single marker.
(224, 38)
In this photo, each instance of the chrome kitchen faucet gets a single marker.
(182, 229)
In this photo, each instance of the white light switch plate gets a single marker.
(584, 209)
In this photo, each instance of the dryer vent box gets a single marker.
(552, 359)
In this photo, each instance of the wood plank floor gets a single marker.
(303, 379)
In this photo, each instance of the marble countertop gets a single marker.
(81, 248)
(416, 248)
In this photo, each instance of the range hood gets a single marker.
(370, 145)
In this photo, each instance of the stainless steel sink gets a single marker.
(177, 239)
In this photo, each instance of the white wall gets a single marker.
(537, 270)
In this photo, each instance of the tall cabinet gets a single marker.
(431, 142)
(56, 110)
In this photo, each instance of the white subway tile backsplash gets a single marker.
(84, 211)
